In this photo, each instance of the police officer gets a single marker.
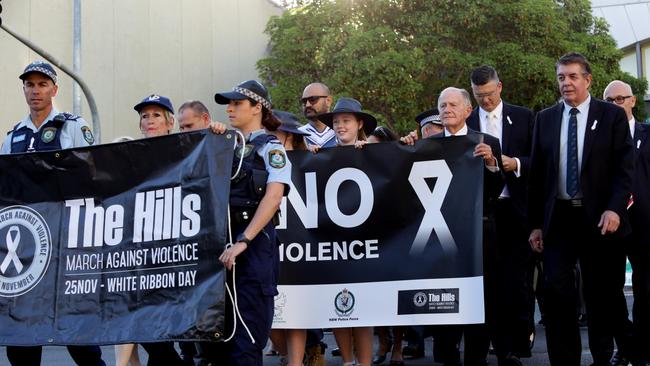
(42, 130)
(255, 195)
(45, 128)
(429, 122)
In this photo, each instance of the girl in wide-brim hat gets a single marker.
(352, 126)
(349, 121)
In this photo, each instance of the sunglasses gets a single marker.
(619, 99)
(313, 99)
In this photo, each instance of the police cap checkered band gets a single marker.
(430, 116)
(40, 67)
(252, 89)
(431, 119)
(253, 95)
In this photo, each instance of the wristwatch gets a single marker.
(242, 238)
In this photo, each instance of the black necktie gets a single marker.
(572, 176)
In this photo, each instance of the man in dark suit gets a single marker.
(513, 257)
(579, 186)
(455, 106)
(637, 245)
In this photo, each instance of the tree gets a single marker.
(395, 56)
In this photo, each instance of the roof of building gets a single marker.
(628, 20)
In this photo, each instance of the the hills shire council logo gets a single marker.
(420, 299)
(25, 250)
(344, 303)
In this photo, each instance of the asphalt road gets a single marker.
(58, 356)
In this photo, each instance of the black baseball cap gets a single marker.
(248, 89)
(430, 116)
(40, 67)
(155, 99)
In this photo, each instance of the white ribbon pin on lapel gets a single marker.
(593, 125)
(509, 120)
(638, 144)
(12, 246)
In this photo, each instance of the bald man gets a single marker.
(317, 99)
(637, 245)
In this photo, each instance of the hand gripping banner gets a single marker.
(384, 235)
(115, 243)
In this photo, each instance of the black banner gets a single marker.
(115, 243)
(361, 228)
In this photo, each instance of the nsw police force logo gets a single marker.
(25, 250)
(344, 303)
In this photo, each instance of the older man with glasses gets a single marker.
(637, 245)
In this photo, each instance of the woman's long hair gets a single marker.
(269, 121)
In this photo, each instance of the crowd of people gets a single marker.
(565, 193)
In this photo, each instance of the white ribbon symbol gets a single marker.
(12, 246)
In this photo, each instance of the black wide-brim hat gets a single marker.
(289, 123)
(252, 89)
(350, 105)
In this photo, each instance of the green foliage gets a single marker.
(395, 56)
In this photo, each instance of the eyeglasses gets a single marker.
(313, 99)
(485, 95)
(618, 99)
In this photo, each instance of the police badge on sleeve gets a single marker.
(277, 159)
(88, 135)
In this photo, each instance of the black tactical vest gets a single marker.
(47, 138)
(249, 186)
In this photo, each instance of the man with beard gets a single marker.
(316, 99)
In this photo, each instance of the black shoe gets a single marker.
(510, 360)
(582, 320)
(618, 360)
(336, 352)
(412, 353)
(378, 359)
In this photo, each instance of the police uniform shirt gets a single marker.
(72, 133)
(275, 159)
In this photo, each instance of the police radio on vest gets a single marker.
(158, 215)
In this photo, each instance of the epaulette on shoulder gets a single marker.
(69, 116)
(272, 139)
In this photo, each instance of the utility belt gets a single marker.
(243, 216)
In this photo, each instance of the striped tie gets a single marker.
(572, 176)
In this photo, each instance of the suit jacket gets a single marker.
(517, 135)
(640, 210)
(606, 169)
(493, 182)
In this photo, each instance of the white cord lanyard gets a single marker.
(233, 294)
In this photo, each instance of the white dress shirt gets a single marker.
(492, 123)
(583, 113)
(463, 132)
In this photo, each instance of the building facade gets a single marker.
(629, 24)
(129, 49)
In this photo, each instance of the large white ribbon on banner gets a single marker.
(12, 246)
